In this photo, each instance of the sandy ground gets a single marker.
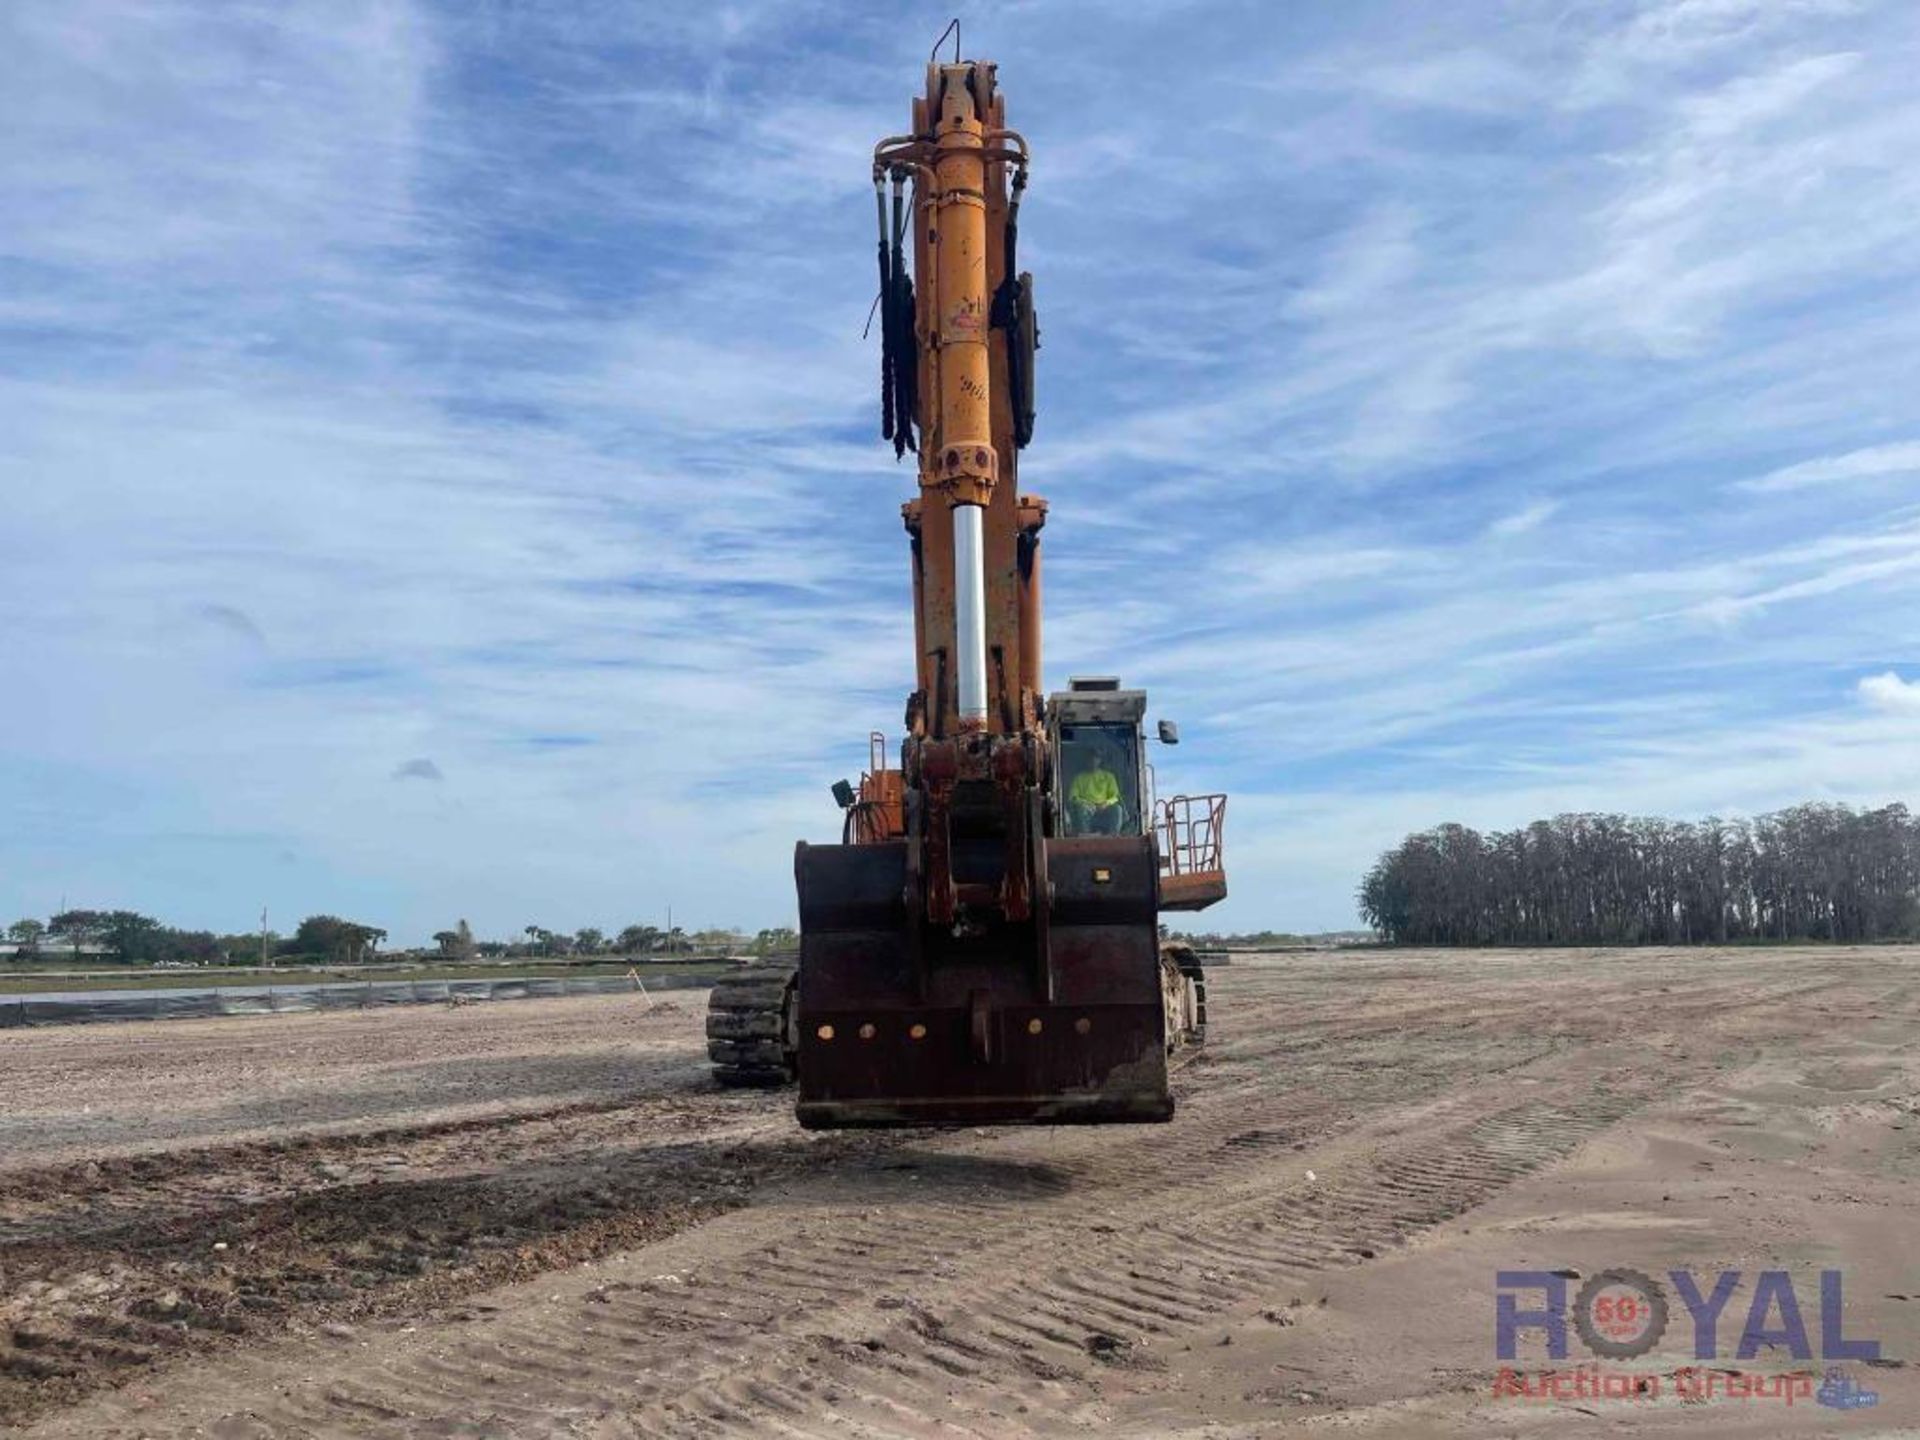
(539, 1219)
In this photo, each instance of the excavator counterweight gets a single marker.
(983, 946)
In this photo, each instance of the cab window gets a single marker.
(1099, 780)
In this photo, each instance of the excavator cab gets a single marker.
(1095, 723)
(1095, 730)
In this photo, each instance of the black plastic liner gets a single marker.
(100, 1006)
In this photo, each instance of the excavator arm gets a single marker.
(965, 957)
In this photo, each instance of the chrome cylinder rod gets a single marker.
(970, 613)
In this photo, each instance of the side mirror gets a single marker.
(1169, 733)
(843, 794)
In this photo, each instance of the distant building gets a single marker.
(53, 947)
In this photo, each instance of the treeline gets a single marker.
(129, 938)
(1236, 940)
(1813, 872)
(1264, 939)
(633, 940)
(126, 937)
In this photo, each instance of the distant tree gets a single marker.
(457, 943)
(135, 939)
(542, 941)
(328, 936)
(638, 940)
(26, 934)
(589, 941)
(773, 940)
(125, 934)
(243, 947)
(341, 942)
(79, 927)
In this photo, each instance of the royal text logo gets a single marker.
(1620, 1314)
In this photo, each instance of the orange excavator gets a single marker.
(984, 946)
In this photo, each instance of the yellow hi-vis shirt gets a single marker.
(1098, 788)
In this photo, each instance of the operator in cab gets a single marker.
(1093, 800)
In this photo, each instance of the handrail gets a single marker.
(1190, 828)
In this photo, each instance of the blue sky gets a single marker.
(442, 474)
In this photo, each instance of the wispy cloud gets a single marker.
(1528, 517)
(1872, 463)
